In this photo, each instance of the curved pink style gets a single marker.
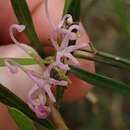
(43, 81)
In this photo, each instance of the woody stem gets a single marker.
(57, 118)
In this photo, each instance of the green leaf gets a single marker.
(119, 6)
(105, 58)
(73, 7)
(66, 6)
(102, 81)
(10, 99)
(23, 61)
(23, 122)
(24, 17)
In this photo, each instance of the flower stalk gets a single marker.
(57, 118)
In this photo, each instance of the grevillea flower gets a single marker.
(64, 50)
(43, 84)
(42, 81)
(66, 31)
(36, 96)
(62, 34)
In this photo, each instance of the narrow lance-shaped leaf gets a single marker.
(73, 7)
(106, 58)
(24, 17)
(9, 98)
(22, 121)
(66, 6)
(23, 61)
(102, 81)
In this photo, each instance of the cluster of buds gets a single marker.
(60, 38)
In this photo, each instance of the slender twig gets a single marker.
(57, 118)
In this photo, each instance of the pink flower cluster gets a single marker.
(60, 38)
(42, 86)
(64, 51)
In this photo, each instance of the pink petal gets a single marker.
(57, 82)
(72, 36)
(58, 32)
(64, 42)
(47, 88)
(32, 75)
(69, 36)
(36, 78)
(74, 27)
(31, 92)
(42, 84)
(76, 47)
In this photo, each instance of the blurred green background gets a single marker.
(107, 24)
